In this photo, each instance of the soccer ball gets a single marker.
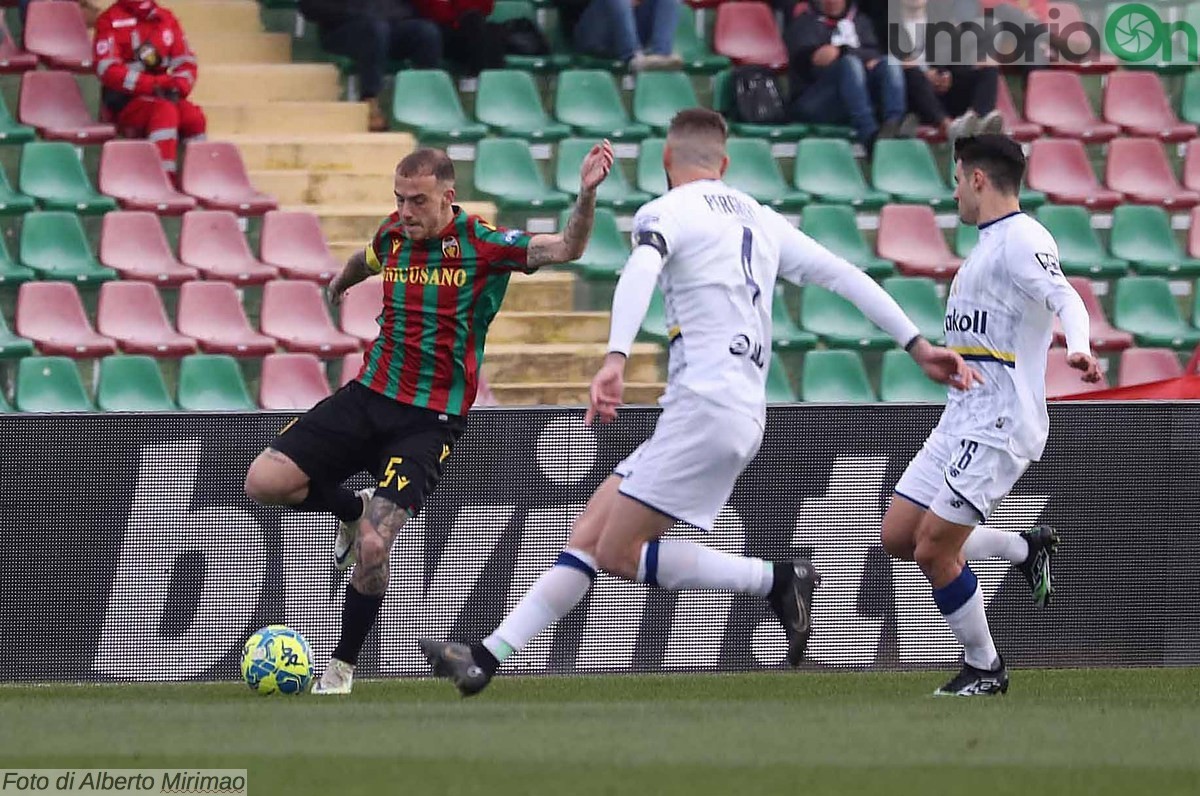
(276, 659)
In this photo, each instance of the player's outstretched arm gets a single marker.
(943, 365)
(355, 271)
(569, 244)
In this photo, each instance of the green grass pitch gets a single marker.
(1064, 733)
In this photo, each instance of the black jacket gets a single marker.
(331, 13)
(812, 30)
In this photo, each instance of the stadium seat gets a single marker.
(12, 274)
(1137, 103)
(10, 131)
(1097, 63)
(746, 34)
(785, 334)
(292, 241)
(1138, 168)
(292, 381)
(1029, 198)
(1080, 252)
(658, 96)
(909, 237)
(1063, 380)
(1144, 365)
(507, 101)
(56, 33)
(901, 380)
(55, 246)
(588, 101)
(50, 384)
(294, 313)
(506, 173)
(438, 118)
(905, 169)
(839, 323)
(723, 103)
(52, 173)
(211, 242)
(350, 366)
(835, 228)
(11, 202)
(1015, 125)
(918, 297)
(826, 168)
(615, 192)
(1104, 336)
(13, 346)
(779, 383)
(52, 103)
(753, 169)
(51, 315)
(130, 172)
(360, 309)
(1060, 169)
(965, 238)
(213, 383)
(1191, 169)
(1144, 306)
(835, 377)
(134, 245)
(13, 58)
(132, 313)
(554, 61)
(1193, 238)
(214, 173)
(1189, 104)
(212, 314)
(132, 384)
(651, 177)
(1142, 235)
(698, 57)
(654, 323)
(607, 250)
(1055, 99)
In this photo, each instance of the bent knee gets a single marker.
(275, 480)
(897, 540)
(617, 557)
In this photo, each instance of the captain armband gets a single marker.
(653, 239)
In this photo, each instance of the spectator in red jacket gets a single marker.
(147, 71)
(468, 38)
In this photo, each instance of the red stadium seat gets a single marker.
(361, 307)
(214, 173)
(1062, 379)
(212, 313)
(293, 243)
(13, 58)
(131, 173)
(351, 365)
(55, 32)
(1144, 365)
(1104, 336)
(1017, 127)
(133, 244)
(293, 312)
(909, 236)
(1060, 169)
(746, 33)
(211, 242)
(1055, 99)
(1138, 168)
(132, 313)
(1135, 100)
(51, 315)
(53, 103)
(1078, 41)
(292, 381)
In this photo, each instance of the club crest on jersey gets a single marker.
(512, 236)
(1049, 262)
(396, 245)
(450, 248)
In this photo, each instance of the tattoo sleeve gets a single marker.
(354, 272)
(377, 534)
(568, 245)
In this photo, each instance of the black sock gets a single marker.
(783, 571)
(484, 657)
(358, 617)
(338, 500)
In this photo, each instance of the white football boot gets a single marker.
(338, 678)
(343, 547)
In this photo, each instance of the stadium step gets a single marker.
(528, 362)
(285, 117)
(375, 153)
(359, 222)
(288, 186)
(548, 327)
(240, 48)
(216, 16)
(323, 187)
(265, 83)
(569, 393)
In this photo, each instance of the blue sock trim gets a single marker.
(954, 595)
(568, 560)
(652, 563)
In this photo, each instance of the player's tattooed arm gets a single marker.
(355, 271)
(568, 245)
(378, 531)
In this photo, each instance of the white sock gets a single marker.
(987, 542)
(961, 602)
(673, 564)
(550, 598)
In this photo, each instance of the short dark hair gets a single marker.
(997, 156)
(699, 120)
(427, 161)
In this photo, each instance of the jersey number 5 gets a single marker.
(747, 251)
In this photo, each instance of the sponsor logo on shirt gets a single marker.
(976, 321)
(442, 277)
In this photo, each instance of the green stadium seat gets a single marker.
(826, 168)
(426, 103)
(723, 104)
(506, 172)
(901, 380)
(508, 102)
(698, 57)
(11, 274)
(588, 100)
(918, 297)
(11, 202)
(53, 175)
(904, 168)
(786, 335)
(658, 96)
(965, 238)
(1080, 252)
(654, 325)
(213, 383)
(1189, 106)
(557, 59)
(753, 169)
(651, 177)
(11, 132)
(1142, 235)
(779, 383)
(55, 246)
(607, 250)
(13, 346)
(839, 323)
(615, 192)
(132, 383)
(835, 228)
(50, 384)
(835, 377)
(1144, 306)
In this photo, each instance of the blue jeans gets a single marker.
(618, 29)
(371, 42)
(846, 91)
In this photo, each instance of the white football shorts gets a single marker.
(960, 480)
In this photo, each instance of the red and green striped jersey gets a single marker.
(439, 297)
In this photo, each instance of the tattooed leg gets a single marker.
(377, 533)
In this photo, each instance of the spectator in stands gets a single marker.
(147, 71)
(639, 32)
(469, 39)
(372, 32)
(839, 73)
